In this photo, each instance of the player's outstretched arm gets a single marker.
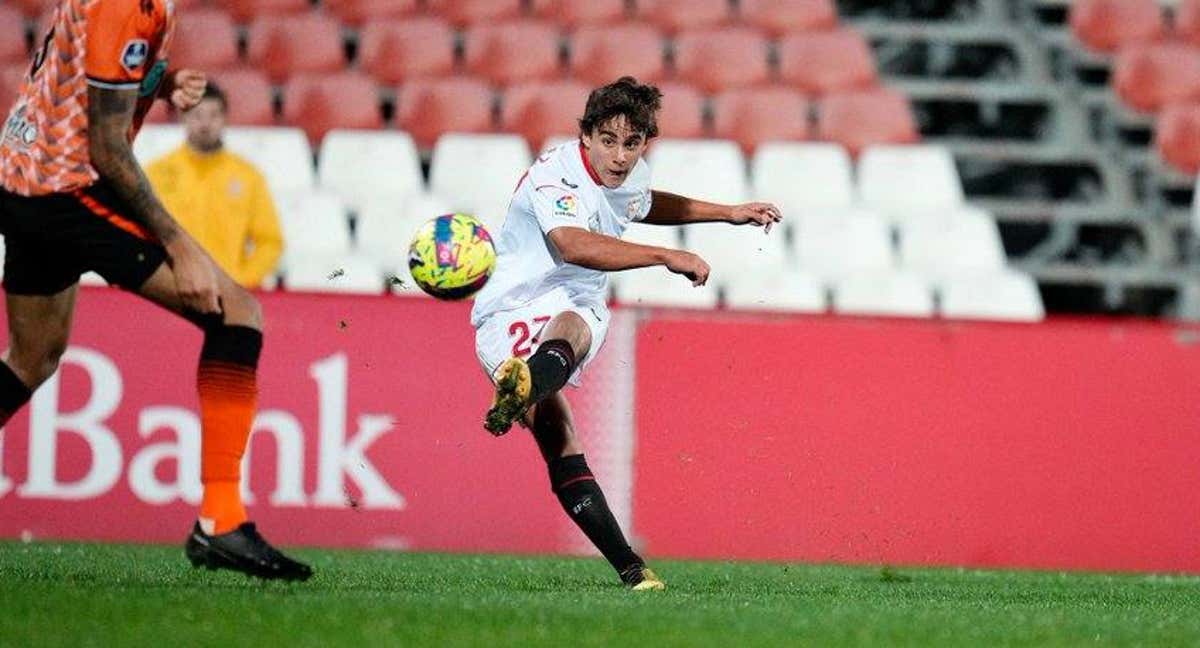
(110, 113)
(600, 252)
(671, 209)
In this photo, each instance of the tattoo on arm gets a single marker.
(110, 113)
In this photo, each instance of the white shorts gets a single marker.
(517, 332)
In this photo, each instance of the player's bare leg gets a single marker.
(38, 329)
(227, 384)
(521, 383)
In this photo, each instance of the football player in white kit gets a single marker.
(542, 317)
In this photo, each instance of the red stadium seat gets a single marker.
(205, 39)
(321, 102)
(538, 111)
(679, 15)
(1177, 137)
(779, 17)
(821, 62)
(682, 114)
(33, 8)
(244, 11)
(12, 36)
(429, 107)
(161, 112)
(1148, 76)
(248, 93)
(393, 51)
(286, 45)
(465, 13)
(573, 13)
(601, 54)
(751, 116)
(11, 77)
(715, 59)
(1187, 21)
(359, 12)
(523, 50)
(859, 118)
(1106, 25)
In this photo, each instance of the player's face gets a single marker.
(204, 125)
(614, 148)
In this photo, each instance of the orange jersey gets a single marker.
(107, 43)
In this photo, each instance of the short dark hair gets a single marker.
(214, 91)
(639, 103)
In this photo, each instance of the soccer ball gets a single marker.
(452, 256)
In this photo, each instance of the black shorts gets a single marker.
(51, 240)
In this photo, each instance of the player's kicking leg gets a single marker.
(530, 391)
(226, 380)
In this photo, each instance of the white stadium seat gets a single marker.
(799, 176)
(385, 231)
(477, 174)
(711, 170)
(314, 224)
(906, 182)
(667, 236)
(335, 273)
(967, 241)
(729, 248)
(657, 286)
(790, 291)
(362, 165)
(1004, 295)
(883, 293)
(836, 245)
(155, 141)
(282, 155)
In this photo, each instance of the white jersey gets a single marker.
(559, 190)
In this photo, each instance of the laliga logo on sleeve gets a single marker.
(566, 205)
(135, 54)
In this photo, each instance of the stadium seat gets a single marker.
(909, 181)
(682, 114)
(466, 13)
(394, 51)
(602, 54)
(752, 116)
(861, 118)
(385, 229)
(786, 291)
(11, 77)
(963, 243)
(1187, 21)
(477, 174)
(679, 15)
(1149, 76)
(1177, 136)
(657, 235)
(1106, 25)
(883, 293)
(711, 170)
(506, 53)
(835, 245)
(12, 37)
(155, 141)
(248, 93)
(160, 113)
(285, 45)
(205, 40)
(244, 11)
(779, 17)
(283, 155)
(574, 13)
(822, 62)
(802, 176)
(656, 286)
(367, 12)
(1004, 295)
(731, 249)
(540, 110)
(314, 225)
(321, 102)
(361, 166)
(428, 108)
(351, 274)
(31, 8)
(715, 59)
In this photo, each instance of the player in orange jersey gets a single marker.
(73, 199)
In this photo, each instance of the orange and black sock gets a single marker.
(228, 390)
(13, 393)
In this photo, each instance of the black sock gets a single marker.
(550, 367)
(232, 344)
(13, 393)
(581, 497)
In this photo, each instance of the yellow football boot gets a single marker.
(650, 582)
(513, 385)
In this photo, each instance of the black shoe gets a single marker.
(244, 550)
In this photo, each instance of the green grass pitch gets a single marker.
(104, 595)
